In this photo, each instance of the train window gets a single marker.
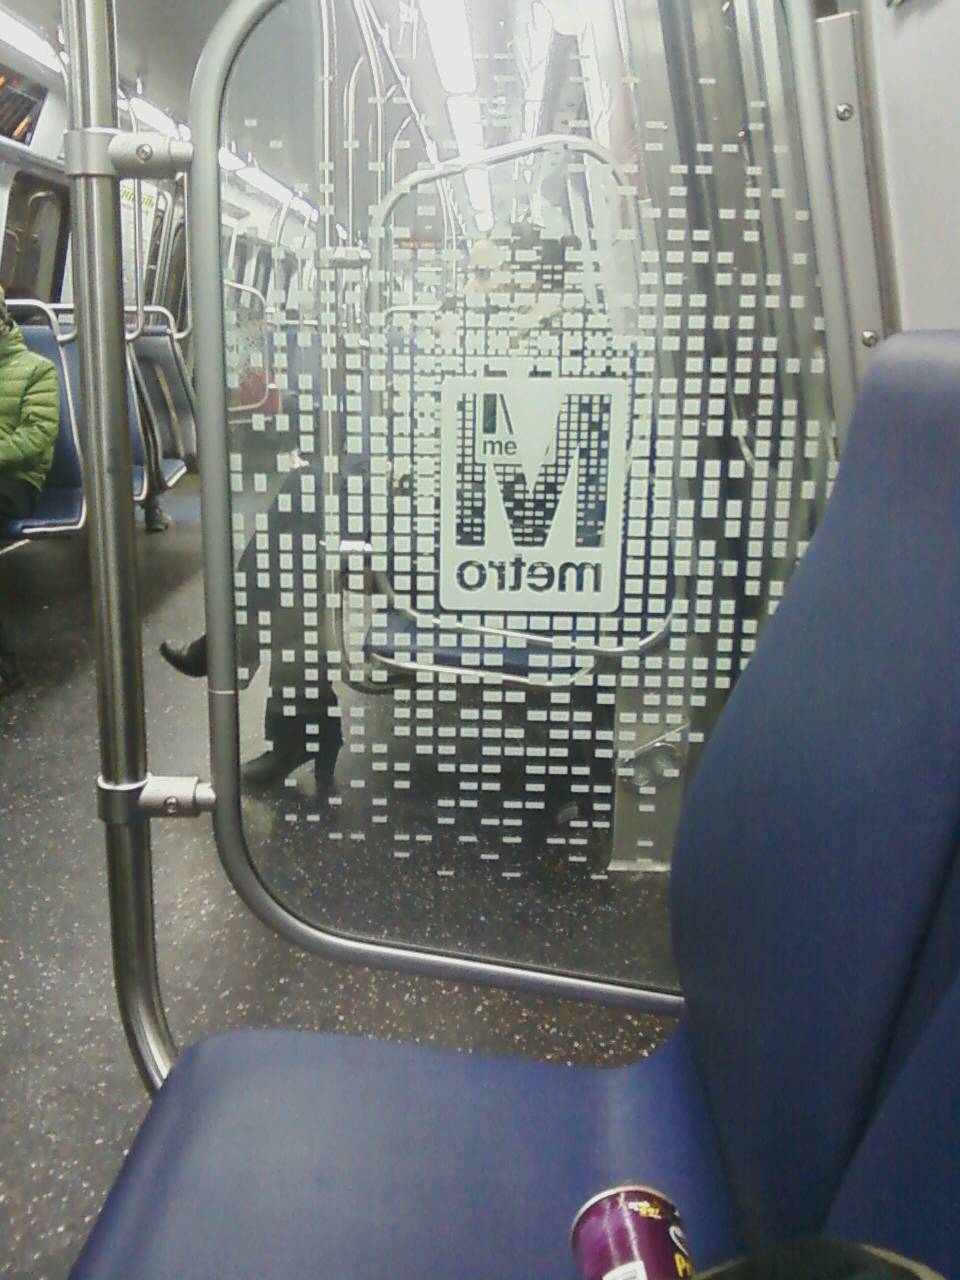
(240, 256)
(35, 238)
(289, 272)
(146, 197)
(154, 247)
(21, 101)
(263, 271)
(175, 290)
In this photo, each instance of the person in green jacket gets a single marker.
(29, 423)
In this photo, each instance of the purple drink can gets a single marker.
(630, 1233)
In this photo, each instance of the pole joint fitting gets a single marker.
(123, 803)
(109, 153)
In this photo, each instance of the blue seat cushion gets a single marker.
(281, 1153)
(58, 510)
(172, 470)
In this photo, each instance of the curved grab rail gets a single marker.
(57, 309)
(139, 300)
(51, 310)
(183, 334)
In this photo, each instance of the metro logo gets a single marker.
(533, 483)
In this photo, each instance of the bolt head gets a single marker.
(144, 152)
(171, 806)
(870, 338)
(844, 111)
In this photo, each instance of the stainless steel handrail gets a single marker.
(98, 288)
(138, 267)
(644, 645)
(51, 310)
(185, 333)
(69, 309)
(800, 18)
(352, 142)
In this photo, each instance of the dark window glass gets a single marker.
(35, 238)
(21, 101)
(175, 293)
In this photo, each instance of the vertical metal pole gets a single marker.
(801, 25)
(98, 293)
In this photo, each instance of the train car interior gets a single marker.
(502, 458)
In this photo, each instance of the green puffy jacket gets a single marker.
(29, 410)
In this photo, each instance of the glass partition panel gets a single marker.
(530, 423)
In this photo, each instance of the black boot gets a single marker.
(319, 784)
(189, 659)
(155, 519)
(10, 677)
(271, 769)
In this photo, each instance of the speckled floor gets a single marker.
(70, 1100)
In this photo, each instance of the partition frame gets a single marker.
(206, 104)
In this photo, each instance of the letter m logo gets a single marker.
(516, 442)
(534, 468)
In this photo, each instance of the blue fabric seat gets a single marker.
(61, 507)
(815, 1081)
(71, 357)
(168, 408)
(268, 1151)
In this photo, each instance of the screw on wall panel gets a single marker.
(870, 337)
(844, 111)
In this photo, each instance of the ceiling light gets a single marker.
(262, 182)
(467, 125)
(230, 161)
(478, 189)
(449, 34)
(303, 209)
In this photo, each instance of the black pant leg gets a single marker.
(286, 732)
(17, 498)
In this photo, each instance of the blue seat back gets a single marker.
(166, 394)
(902, 1189)
(71, 354)
(821, 828)
(66, 471)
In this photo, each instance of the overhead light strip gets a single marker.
(449, 32)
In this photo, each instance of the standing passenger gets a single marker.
(29, 422)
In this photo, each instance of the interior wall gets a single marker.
(917, 70)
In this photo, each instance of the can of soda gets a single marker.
(630, 1233)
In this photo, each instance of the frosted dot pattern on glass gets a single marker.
(530, 424)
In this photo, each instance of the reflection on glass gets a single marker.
(531, 422)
